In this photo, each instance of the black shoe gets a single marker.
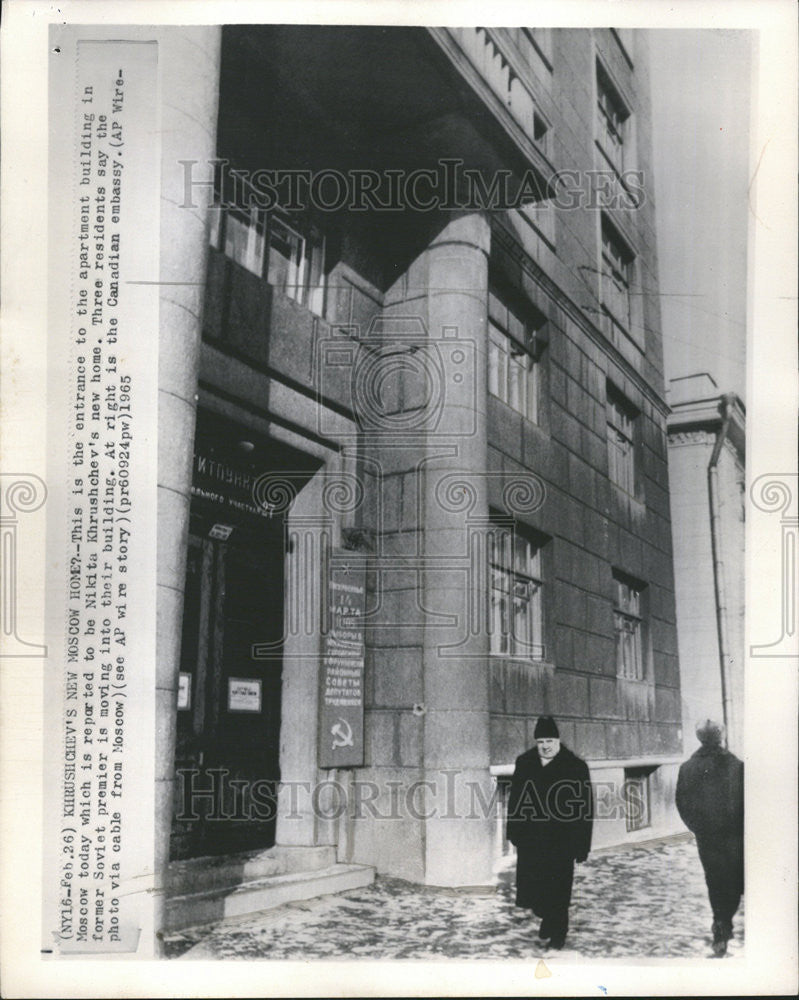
(722, 932)
(556, 943)
(543, 932)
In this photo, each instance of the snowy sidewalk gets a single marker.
(634, 902)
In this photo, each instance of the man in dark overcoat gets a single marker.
(710, 800)
(550, 815)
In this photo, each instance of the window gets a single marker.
(621, 417)
(516, 591)
(616, 280)
(628, 627)
(612, 122)
(287, 251)
(637, 808)
(515, 348)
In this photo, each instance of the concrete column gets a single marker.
(310, 530)
(458, 842)
(427, 719)
(188, 60)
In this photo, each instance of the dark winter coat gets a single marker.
(550, 809)
(710, 793)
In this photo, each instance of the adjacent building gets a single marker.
(414, 480)
(707, 453)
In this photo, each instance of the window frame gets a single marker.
(256, 229)
(514, 576)
(613, 121)
(628, 611)
(631, 608)
(617, 278)
(621, 434)
(638, 778)
(516, 332)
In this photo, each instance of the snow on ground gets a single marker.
(648, 901)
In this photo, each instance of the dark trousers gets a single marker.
(723, 861)
(544, 885)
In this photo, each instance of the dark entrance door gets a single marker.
(228, 723)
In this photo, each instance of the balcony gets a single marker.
(494, 56)
(378, 98)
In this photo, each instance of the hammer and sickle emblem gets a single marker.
(342, 733)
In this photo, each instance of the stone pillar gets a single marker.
(188, 59)
(310, 535)
(422, 405)
(458, 842)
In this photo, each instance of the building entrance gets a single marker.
(229, 699)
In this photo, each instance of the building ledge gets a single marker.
(506, 770)
(706, 413)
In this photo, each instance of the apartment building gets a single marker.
(413, 460)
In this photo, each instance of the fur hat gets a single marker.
(546, 729)
(710, 733)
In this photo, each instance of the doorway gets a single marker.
(228, 720)
(227, 748)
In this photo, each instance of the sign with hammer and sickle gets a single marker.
(342, 734)
(342, 663)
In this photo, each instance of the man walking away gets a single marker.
(550, 816)
(710, 801)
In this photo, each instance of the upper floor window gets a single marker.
(516, 615)
(621, 418)
(616, 280)
(613, 122)
(515, 351)
(628, 627)
(288, 251)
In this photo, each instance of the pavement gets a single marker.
(646, 901)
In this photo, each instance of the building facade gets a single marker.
(413, 464)
(707, 456)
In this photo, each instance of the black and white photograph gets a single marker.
(399, 499)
